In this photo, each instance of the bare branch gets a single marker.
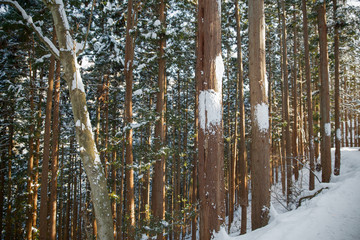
(52, 48)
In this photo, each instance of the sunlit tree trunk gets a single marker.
(129, 171)
(158, 192)
(242, 166)
(211, 149)
(260, 160)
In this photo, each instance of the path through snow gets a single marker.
(332, 215)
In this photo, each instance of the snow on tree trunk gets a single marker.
(325, 127)
(84, 134)
(211, 172)
(260, 160)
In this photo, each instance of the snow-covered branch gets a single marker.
(52, 48)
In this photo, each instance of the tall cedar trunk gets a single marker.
(54, 155)
(231, 160)
(295, 107)
(288, 157)
(337, 94)
(37, 154)
(282, 144)
(29, 222)
(46, 156)
(114, 174)
(84, 135)
(242, 166)
(211, 153)
(260, 164)
(129, 171)
(196, 140)
(309, 97)
(158, 196)
(145, 191)
(325, 126)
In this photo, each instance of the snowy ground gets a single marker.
(334, 214)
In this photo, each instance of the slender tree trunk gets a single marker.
(309, 97)
(158, 196)
(55, 155)
(211, 155)
(242, 166)
(260, 160)
(29, 222)
(129, 172)
(325, 126)
(196, 139)
(295, 152)
(46, 155)
(288, 154)
(337, 94)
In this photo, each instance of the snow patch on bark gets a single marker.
(210, 110)
(219, 71)
(327, 129)
(338, 134)
(77, 81)
(262, 117)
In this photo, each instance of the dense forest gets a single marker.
(170, 119)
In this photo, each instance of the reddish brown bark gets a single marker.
(309, 97)
(325, 126)
(211, 155)
(260, 160)
(158, 195)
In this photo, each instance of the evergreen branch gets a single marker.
(52, 48)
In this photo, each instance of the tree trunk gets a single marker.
(295, 107)
(288, 153)
(46, 156)
(29, 222)
(55, 155)
(129, 171)
(84, 135)
(337, 94)
(158, 196)
(325, 126)
(260, 164)
(242, 166)
(309, 97)
(211, 153)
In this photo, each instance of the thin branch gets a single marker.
(52, 48)
(88, 28)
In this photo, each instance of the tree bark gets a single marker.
(46, 156)
(337, 93)
(260, 160)
(295, 151)
(325, 125)
(54, 155)
(129, 171)
(288, 153)
(309, 97)
(84, 134)
(242, 165)
(211, 155)
(158, 196)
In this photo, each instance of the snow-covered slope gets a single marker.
(334, 214)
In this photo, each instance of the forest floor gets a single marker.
(333, 214)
